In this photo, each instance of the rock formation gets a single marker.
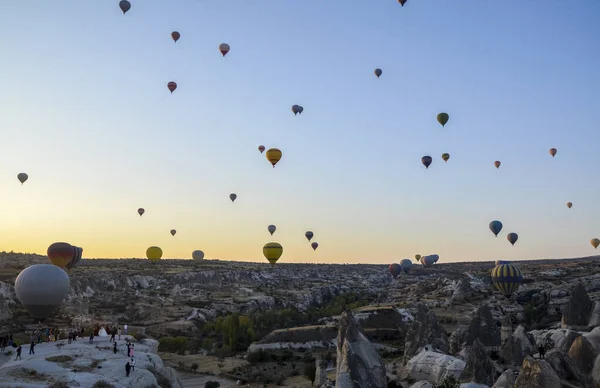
(537, 374)
(434, 367)
(506, 380)
(484, 328)
(425, 330)
(517, 347)
(566, 369)
(358, 364)
(577, 311)
(479, 367)
(583, 354)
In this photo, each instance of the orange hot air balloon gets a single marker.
(172, 86)
(497, 164)
(60, 254)
(175, 35)
(553, 151)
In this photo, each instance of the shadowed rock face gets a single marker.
(358, 364)
(479, 368)
(579, 308)
(566, 369)
(537, 374)
(484, 328)
(583, 354)
(423, 331)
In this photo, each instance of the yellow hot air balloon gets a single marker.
(273, 156)
(154, 254)
(418, 257)
(595, 242)
(445, 156)
(272, 252)
(60, 254)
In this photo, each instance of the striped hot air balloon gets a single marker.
(506, 278)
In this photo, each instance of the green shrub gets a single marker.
(62, 358)
(173, 344)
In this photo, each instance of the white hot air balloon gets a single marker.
(41, 288)
(198, 255)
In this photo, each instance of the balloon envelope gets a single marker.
(595, 242)
(428, 261)
(125, 6)
(60, 254)
(273, 156)
(295, 109)
(402, 2)
(512, 238)
(172, 86)
(418, 257)
(553, 151)
(173, 231)
(309, 235)
(271, 229)
(498, 262)
(314, 246)
(378, 72)
(569, 204)
(272, 252)
(154, 253)
(141, 211)
(406, 265)
(261, 148)
(300, 109)
(496, 227)
(426, 160)
(506, 278)
(445, 156)
(395, 269)
(224, 48)
(443, 118)
(22, 177)
(497, 164)
(77, 253)
(41, 288)
(198, 255)
(175, 35)
(232, 196)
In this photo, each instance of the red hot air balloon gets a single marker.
(60, 254)
(175, 35)
(172, 86)
(314, 245)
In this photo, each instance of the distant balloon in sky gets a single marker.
(496, 227)
(273, 155)
(172, 86)
(497, 164)
(378, 72)
(197, 255)
(224, 48)
(426, 160)
(314, 246)
(569, 204)
(232, 196)
(418, 257)
(22, 177)
(272, 252)
(141, 211)
(395, 269)
(300, 109)
(173, 231)
(553, 151)
(271, 229)
(595, 242)
(261, 148)
(295, 109)
(175, 35)
(309, 235)
(154, 254)
(512, 238)
(402, 2)
(443, 118)
(125, 6)
(41, 288)
(445, 156)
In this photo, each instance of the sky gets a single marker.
(85, 111)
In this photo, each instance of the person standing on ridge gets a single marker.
(127, 369)
(18, 353)
(31, 346)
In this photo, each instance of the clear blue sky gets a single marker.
(85, 111)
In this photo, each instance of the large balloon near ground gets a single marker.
(224, 48)
(553, 151)
(506, 278)
(378, 72)
(443, 118)
(154, 254)
(512, 238)
(232, 196)
(395, 269)
(272, 252)
(426, 160)
(309, 235)
(273, 155)
(22, 177)
(428, 261)
(125, 6)
(41, 288)
(595, 242)
(314, 246)
(406, 265)
(198, 255)
(141, 211)
(60, 254)
(496, 227)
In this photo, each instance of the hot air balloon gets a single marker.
(125, 6)
(173, 231)
(232, 196)
(402, 2)
(426, 160)
(395, 269)
(406, 265)
(41, 288)
(271, 229)
(595, 242)
(141, 211)
(497, 164)
(296, 109)
(60, 254)
(261, 148)
(506, 278)
(309, 235)
(569, 204)
(553, 151)
(22, 177)
(418, 258)
(445, 156)
(498, 262)
(435, 258)
(154, 254)
(512, 238)
(172, 86)
(175, 35)
(274, 156)
(378, 72)
(428, 261)
(300, 109)
(224, 48)
(272, 252)
(314, 246)
(496, 227)
(443, 118)
(77, 253)
(197, 255)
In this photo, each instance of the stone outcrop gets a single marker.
(595, 315)
(479, 367)
(537, 374)
(583, 354)
(566, 369)
(463, 292)
(506, 380)
(483, 327)
(425, 330)
(434, 367)
(517, 346)
(564, 344)
(596, 372)
(577, 311)
(358, 363)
